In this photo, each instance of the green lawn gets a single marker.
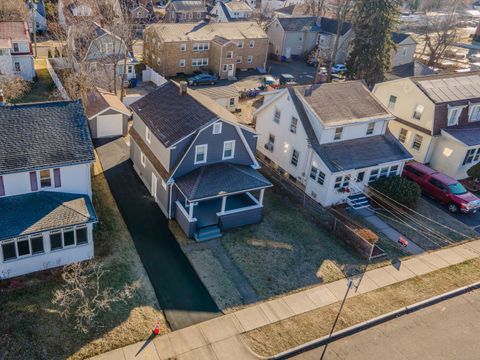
(31, 326)
(289, 251)
(43, 88)
(419, 229)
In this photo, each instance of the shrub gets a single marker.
(399, 189)
(474, 171)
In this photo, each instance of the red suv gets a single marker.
(441, 187)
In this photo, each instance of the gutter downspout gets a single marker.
(170, 202)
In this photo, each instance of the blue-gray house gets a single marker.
(197, 162)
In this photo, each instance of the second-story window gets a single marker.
(417, 142)
(474, 112)
(293, 125)
(250, 59)
(45, 179)
(228, 150)
(229, 54)
(417, 113)
(251, 44)
(271, 143)
(338, 133)
(276, 116)
(148, 135)
(391, 102)
(200, 47)
(201, 154)
(403, 135)
(183, 47)
(370, 128)
(295, 156)
(217, 128)
(453, 114)
(240, 44)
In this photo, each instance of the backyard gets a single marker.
(286, 252)
(32, 327)
(430, 227)
(41, 90)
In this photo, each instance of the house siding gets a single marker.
(94, 121)
(241, 218)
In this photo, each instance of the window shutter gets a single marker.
(2, 187)
(56, 177)
(33, 181)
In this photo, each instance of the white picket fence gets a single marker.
(55, 77)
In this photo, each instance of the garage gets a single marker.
(109, 125)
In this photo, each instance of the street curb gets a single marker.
(375, 321)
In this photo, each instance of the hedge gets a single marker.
(398, 188)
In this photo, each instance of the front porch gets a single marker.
(204, 220)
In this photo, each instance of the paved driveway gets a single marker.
(180, 292)
(471, 220)
(303, 73)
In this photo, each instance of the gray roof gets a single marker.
(309, 23)
(398, 37)
(171, 116)
(189, 5)
(43, 135)
(42, 211)
(415, 68)
(220, 179)
(450, 87)
(469, 135)
(342, 103)
(363, 152)
(220, 92)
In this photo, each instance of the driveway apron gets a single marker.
(180, 292)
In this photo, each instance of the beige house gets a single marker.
(437, 118)
(221, 48)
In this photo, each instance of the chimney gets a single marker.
(183, 88)
(2, 99)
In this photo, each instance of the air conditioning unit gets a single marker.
(269, 146)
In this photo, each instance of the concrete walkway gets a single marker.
(392, 234)
(220, 339)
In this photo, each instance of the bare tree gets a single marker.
(439, 32)
(83, 296)
(13, 87)
(315, 7)
(13, 10)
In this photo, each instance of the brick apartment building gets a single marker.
(221, 48)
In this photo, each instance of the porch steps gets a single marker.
(208, 233)
(358, 201)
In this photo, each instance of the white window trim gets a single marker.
(39, 180)
(335, 134)
(251, 44)
(143, 159)
(451, 109)
(250, 59)
(472, 107)
(183, 47)
(224, 148)
(181, 63)
(420, 112)
(75, 240)
(148, 135)
(217, 128)
(195, 162)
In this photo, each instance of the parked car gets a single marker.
(202, 79)
(338, 68)
(287, 79)
(269, 80)
(442, 188)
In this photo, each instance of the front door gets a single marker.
(153, 190)
(231, 70)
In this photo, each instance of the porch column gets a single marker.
(260, 200)
(190, 212)
(224, 203)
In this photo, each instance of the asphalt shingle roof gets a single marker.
(469, 135)
(42, 211)
(363, 152)
(309, 23)
(14, 30)
(398, 37)
(450, 87)
(189, 5)
(171, 116)
(43, 135)
(220, 179)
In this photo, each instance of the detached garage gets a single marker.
(107, 115)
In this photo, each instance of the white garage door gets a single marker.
(109, 125)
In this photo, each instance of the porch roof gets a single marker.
(42, 211)
(220, 179)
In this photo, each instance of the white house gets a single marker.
(330, 139)
(16, 56)
(228, 11)
(47, 214)
(437, 118)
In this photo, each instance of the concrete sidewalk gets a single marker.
(220, 338)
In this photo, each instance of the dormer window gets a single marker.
(453, 114)
(217, 128)
(417, 113)
(45, 179)
(370, 128)
(473, 112)
(391, 102)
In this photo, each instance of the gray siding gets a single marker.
(145, 173)
(160, 151)
(95, 52)
(215, 149)
(187, 226)
(242, 218)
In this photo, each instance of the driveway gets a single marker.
(180, 292)
(445, 331)
(303, 73)
(471, 220)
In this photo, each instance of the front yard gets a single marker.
(286, 252)
(32, 328)
(432, 229)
